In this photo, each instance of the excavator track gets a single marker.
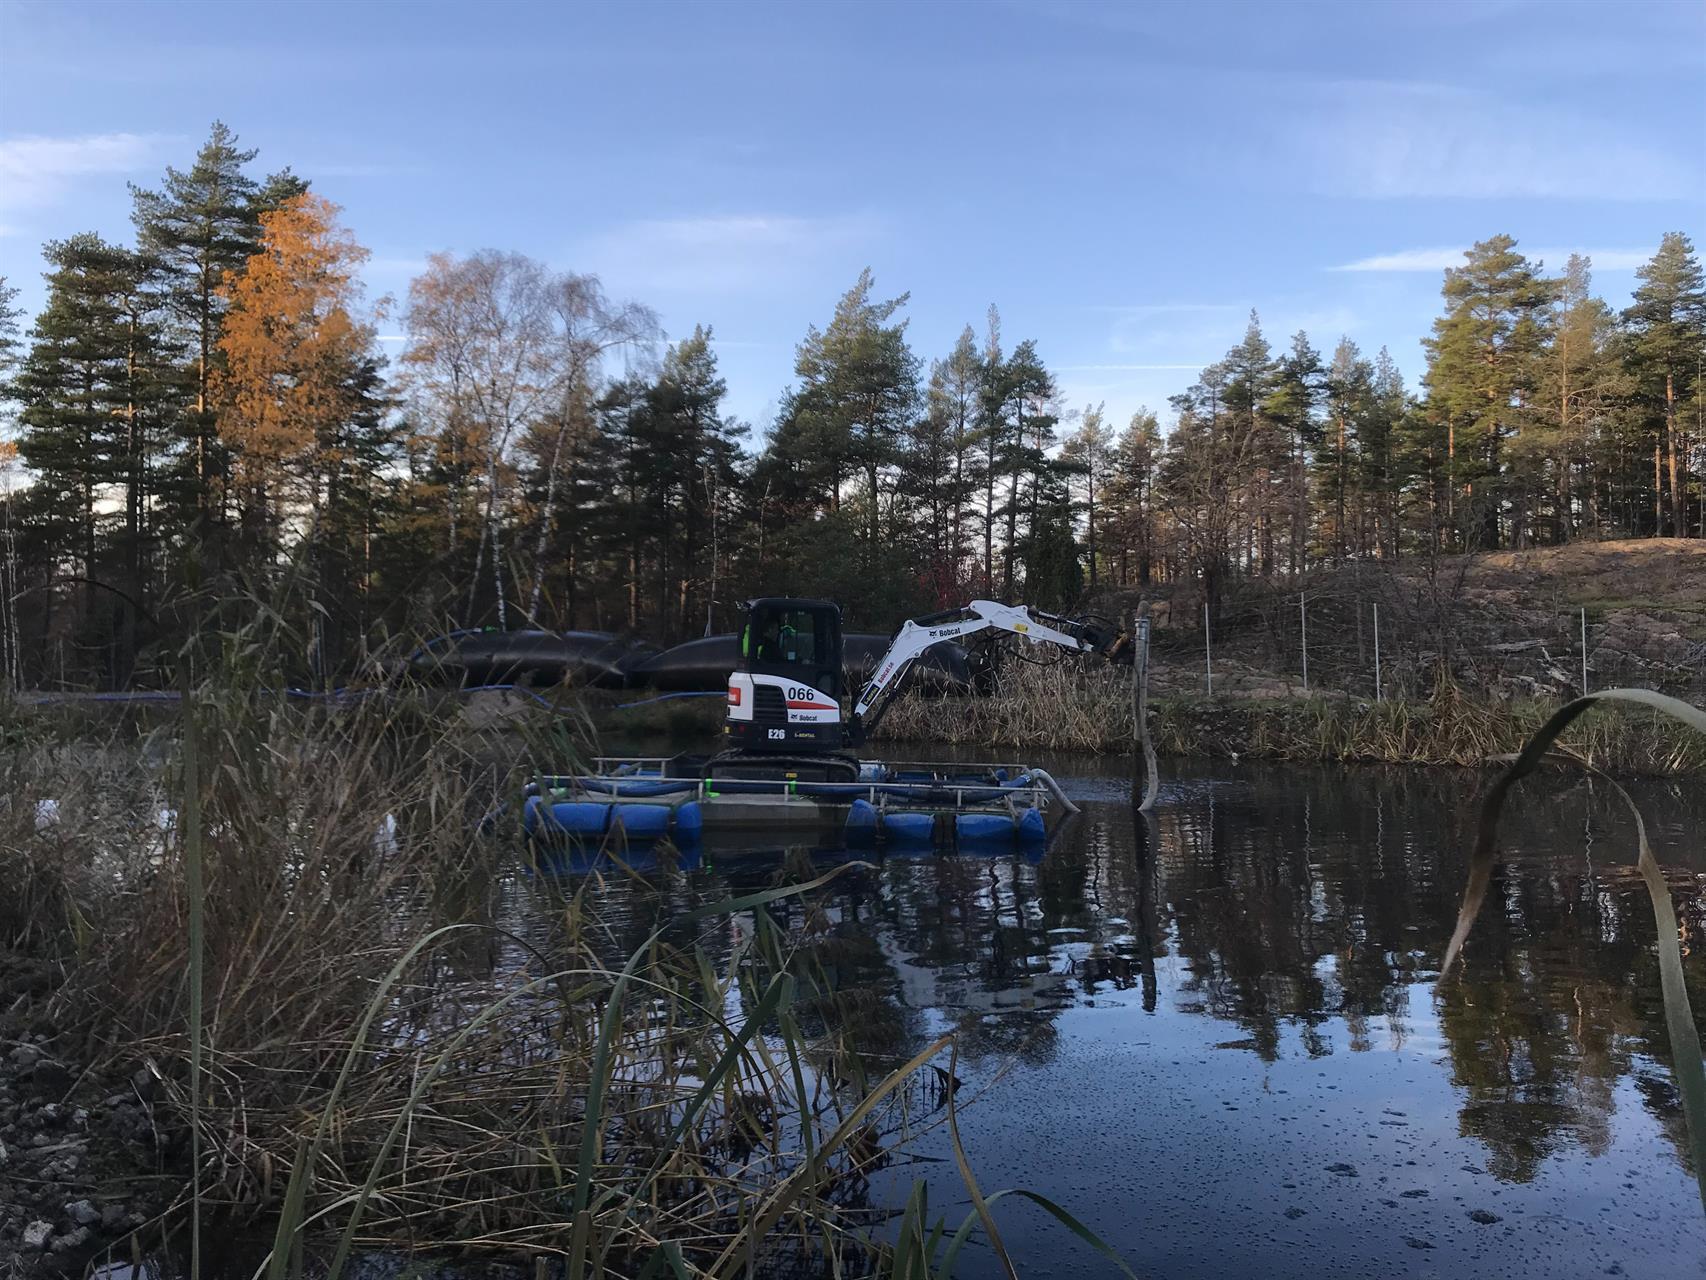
(827, 767)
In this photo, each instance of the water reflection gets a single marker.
(1239, 989)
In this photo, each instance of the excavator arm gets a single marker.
(978, 617)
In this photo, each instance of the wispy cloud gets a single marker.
(707, 254)
(36, 171)
(1440, 259)
(1396, 140)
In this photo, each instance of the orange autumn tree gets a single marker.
(299, 371)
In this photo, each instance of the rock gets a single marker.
(1484, 1217)
(25, 1055)
(113, 1217)
(37, 1234)
(146, 1084)
(5, 1156)
(51, 1077)
(72, 1240)
(83, 1213)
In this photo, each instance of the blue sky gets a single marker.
(1124, 182)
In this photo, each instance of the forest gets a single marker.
(202, 421)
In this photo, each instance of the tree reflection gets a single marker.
(1306, 908)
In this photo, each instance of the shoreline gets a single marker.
(1452, 728)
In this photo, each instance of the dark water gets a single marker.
(1217, 1036)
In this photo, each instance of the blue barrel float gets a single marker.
(641, 813)
(903, 811)
(991, 830)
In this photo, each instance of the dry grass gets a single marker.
(1063, 708)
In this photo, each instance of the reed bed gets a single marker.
(1062, 707)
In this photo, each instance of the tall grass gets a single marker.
(1062, 707)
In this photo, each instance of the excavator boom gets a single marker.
(978, 617)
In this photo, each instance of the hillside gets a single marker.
(1506, 623)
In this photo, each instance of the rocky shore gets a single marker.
(80, 1152)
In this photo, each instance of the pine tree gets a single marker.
(929, 481)
(698, 447)
(93, 390)
(1483, 368)
(1024, 433)
(10, 314)
(200, 226)
(858, 392)
(945, 461)
(1248, 379)
(11, 655)
(1350, 405)
(1206, 480)
(1578, 386)
(1298, 383)
(1379, 439)
(1090, 450)
(1666, 324)
(1131, 495)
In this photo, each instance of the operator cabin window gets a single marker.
(787, 635)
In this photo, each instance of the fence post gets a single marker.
(1207, 651)
(1377, 652)
(1303, 637)
(1584, 652)
(1140, 706)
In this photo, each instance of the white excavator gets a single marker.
(785, 698)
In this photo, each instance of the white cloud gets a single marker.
(709, 254)
(1440, 259)
(1393, 140)
(36, 171)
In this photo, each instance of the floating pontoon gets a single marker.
(639, 801)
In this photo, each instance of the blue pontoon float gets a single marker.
(637, 801)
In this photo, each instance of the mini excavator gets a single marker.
(784, 700)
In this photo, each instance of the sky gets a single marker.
(1124, 182)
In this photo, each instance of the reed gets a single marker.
(1546, 745)
(1063, 708)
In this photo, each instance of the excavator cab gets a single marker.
(785, 694)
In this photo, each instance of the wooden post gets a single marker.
(1140, 707)
(1584, 652)
(1303, 638)
(1377, 653)
(1207, 651)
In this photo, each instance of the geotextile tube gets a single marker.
(597, 658)
(705, 664)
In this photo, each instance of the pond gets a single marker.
(1217, 1035)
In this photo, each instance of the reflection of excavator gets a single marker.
(784, 700)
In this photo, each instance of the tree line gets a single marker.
(204, 415)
